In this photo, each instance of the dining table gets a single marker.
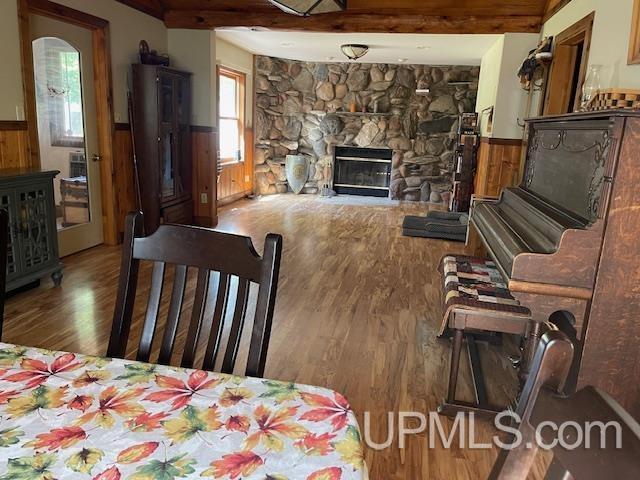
(69, 415)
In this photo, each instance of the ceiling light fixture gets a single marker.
(402, 60)
(354, 51)
(286, 44)
(304, 8)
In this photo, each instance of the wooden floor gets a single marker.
(357, 311)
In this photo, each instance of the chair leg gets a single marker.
(451, 407)
(531, 344)
(455, 365)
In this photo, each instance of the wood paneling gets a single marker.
(231, 183)
(236, 179)
(553, 7)
(394, 22)
(403, 16)
(14, 145)
(204, 175)
(155, 8)
(124, 176)
(498, 165)
(434, 7)
(203, 148)
(28, 83)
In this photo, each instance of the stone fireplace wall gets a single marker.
(304, 108)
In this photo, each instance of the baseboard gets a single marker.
(232, 198)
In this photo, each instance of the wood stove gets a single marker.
(362, 171)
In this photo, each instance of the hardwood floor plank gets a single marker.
(357, 311)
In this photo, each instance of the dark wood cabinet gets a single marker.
(32, 250)
(162, 134)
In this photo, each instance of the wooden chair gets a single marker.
(4, 241)
(208, 251)
(542, 401)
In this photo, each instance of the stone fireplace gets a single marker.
(362, 171)
(307, 108)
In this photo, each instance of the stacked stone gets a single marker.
(302, 108)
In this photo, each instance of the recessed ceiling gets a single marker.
(384, 47)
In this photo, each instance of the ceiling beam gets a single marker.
(398, 22)
(553, 7)
(155, 8)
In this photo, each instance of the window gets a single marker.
(59, 91)
(230, 115)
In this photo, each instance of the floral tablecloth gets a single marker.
(65, 415)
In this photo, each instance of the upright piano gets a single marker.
(567, 240)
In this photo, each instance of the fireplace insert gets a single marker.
(362, 171)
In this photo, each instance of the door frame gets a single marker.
(103, 92)
(563, 66)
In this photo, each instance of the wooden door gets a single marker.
(569, 67)
(67, 128)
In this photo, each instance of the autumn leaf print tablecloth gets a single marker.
(65, 415)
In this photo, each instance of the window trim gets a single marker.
(240, 79)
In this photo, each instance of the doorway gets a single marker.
(67, 128)
(568, 68)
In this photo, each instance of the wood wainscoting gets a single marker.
(498, 165)
(14, 144)
(203, 142)
(236, 179)
(124, 175)
(204, 161)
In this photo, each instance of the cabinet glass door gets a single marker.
(183, 100)
(33, 204)
(7, 202)
(166, 98)
(167, 176)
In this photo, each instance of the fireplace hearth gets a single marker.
(362, 171)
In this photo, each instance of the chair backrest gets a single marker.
(542, 401)
(4, 241)
(207, 251)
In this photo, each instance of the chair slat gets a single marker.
(222, 298)
(240, 311)
(151, 317)
(209, 251)
(173, 317)
(127, 286)
(261, 331)
(197, 315)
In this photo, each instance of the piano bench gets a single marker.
(476, 300)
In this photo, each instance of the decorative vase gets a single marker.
(590, 86)
(297, 170)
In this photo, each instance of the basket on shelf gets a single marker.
(615, 98)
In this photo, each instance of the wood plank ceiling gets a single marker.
(392, 16)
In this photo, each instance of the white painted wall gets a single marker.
(609, 40)
(488, 83)
(11, 94)
(231, 56)
(499, 85)
(195, 51)
(511, 99)
(127, 28)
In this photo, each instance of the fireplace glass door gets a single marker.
(363, 173)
